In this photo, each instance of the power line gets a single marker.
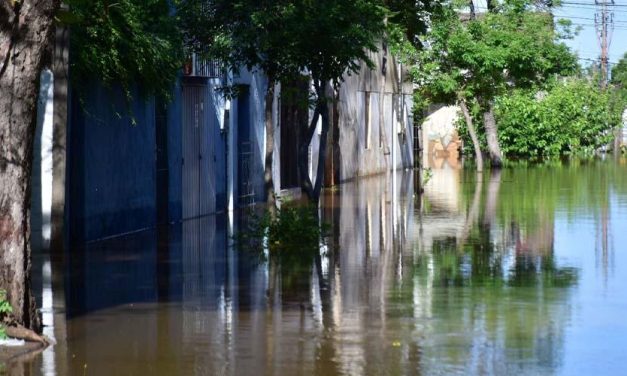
(612, 4)
(585, 18)
(588, 8)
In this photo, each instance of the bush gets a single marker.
(573, 117)
(5, 309)
(293, 231)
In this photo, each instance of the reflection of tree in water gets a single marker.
(497, 296)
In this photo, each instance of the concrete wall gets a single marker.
(441, 143)
(256, 83)
(389, 144)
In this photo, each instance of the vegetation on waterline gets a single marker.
(571, 117)
(293, 231)
(5, 309)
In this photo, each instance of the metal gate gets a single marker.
(199, 188)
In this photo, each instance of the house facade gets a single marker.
(134, 166)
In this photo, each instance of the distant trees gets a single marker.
(619, 98)
(471, 61)
(619, 77)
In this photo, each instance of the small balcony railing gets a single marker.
(198, 67)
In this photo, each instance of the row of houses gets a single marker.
(129, 169)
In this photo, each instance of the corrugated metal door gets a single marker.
(198, 161)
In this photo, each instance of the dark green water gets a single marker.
(522, 272)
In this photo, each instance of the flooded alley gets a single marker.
(517, 272)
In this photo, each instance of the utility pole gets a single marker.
(604, 25)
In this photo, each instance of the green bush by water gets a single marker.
(292, 231)
(5, 309)
(570, 118)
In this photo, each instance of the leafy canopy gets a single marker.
(125, 43)
(513, 47)
(619, 78)
(285, 38)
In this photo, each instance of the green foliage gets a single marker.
(427, 174)
(5, 309)
(515, 47)
(619, 85)
(325, 38)
(291, 232)
(124, 44)
(619, 77)
(5, 306)
(410, 17)
(574, 117)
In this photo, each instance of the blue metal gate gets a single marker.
(199, 161)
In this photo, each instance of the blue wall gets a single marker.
(111, 175)
(114, 183)
(174, 155)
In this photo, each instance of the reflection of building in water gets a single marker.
(453, 285)
(466, 308)
(604, 246)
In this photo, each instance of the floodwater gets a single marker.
(518, 272)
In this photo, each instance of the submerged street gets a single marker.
(520, 272)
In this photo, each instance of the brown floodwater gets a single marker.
(518, 272)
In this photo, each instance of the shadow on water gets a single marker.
(477, 276)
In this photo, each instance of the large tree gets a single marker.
(474, 60)
(119, 44)
(26, 28)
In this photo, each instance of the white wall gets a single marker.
(41, 201)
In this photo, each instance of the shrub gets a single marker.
(5, 309)
(293, 231)
(572, 118)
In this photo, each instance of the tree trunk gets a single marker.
(25, 31)
(267, 177)
(473, 134)
(618, 139)
(492, 136)
(322, 153)
(303, 153)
